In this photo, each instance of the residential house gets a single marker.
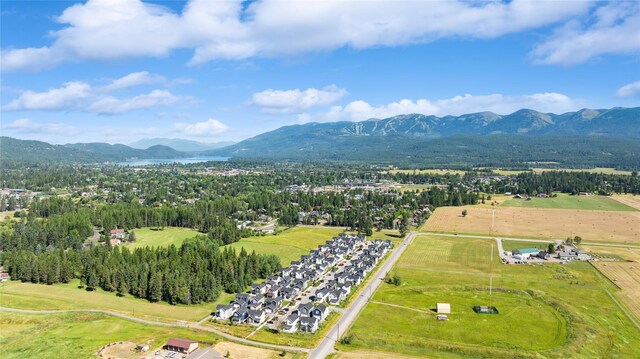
(224, 311)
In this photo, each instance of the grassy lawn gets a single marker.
(68, 296)
(289, 244)
(79, 335)
(546, 311)
(161, 238)
(596, 203)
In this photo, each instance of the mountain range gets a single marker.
(603, 138)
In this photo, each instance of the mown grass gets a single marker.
(551, 310)
(563, 200)
(289, 244)
(295, 242)
(80, 335)
(153, 237)
(68, 296)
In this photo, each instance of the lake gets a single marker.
(158, 161)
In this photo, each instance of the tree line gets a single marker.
(196, 272)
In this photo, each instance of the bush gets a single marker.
(347, 339)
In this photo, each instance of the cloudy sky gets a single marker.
(119, 70)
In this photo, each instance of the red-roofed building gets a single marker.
(4, 277)
(181, 345)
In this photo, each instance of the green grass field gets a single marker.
(508, 245)
(290, 244)
(69, 296)
(596, 203)
(295, 242)
(161, 238)
(79, 335)
(546, 311)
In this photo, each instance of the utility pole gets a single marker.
(490, 274)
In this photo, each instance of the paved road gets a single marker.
(351, 313)
(150, 322)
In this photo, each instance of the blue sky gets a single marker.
(119, 70)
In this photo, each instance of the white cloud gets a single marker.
(111, 29)
(287, 101)
(201, 129)
(614, 30)
(133, 79)
(69, 96)
(111, 105)
(81, 96)
(27, 126)
(458, 105)
(629, 89)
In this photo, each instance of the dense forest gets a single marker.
(196, 272)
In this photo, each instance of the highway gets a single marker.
(351, 313)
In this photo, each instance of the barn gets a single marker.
(181, 345)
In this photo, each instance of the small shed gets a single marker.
(443, 308)
(442, 317)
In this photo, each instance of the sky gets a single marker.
(120, 70)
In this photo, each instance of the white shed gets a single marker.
(443, 308)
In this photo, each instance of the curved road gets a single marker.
(321, 351)
(150, 322)
(351, 313)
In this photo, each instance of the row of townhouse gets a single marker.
(307, 317)
(267, 298)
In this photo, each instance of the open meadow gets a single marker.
(563, 200)
(625, 275)
(295, 242)
(153, 237)
(546, 311)
(544, 223)
(19, 295)
(80, 335)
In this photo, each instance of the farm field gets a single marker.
(625, 253)
(605, 170)
(67, 296)
(554, 311)
(430, 171)
(563, 200)
(625, 275)
(161, 238)
(79, 335)
(629, 200)
(548, 223)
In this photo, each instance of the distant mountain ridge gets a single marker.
(587, 136)
(615, 122)
(179, 144)
(29, 152)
